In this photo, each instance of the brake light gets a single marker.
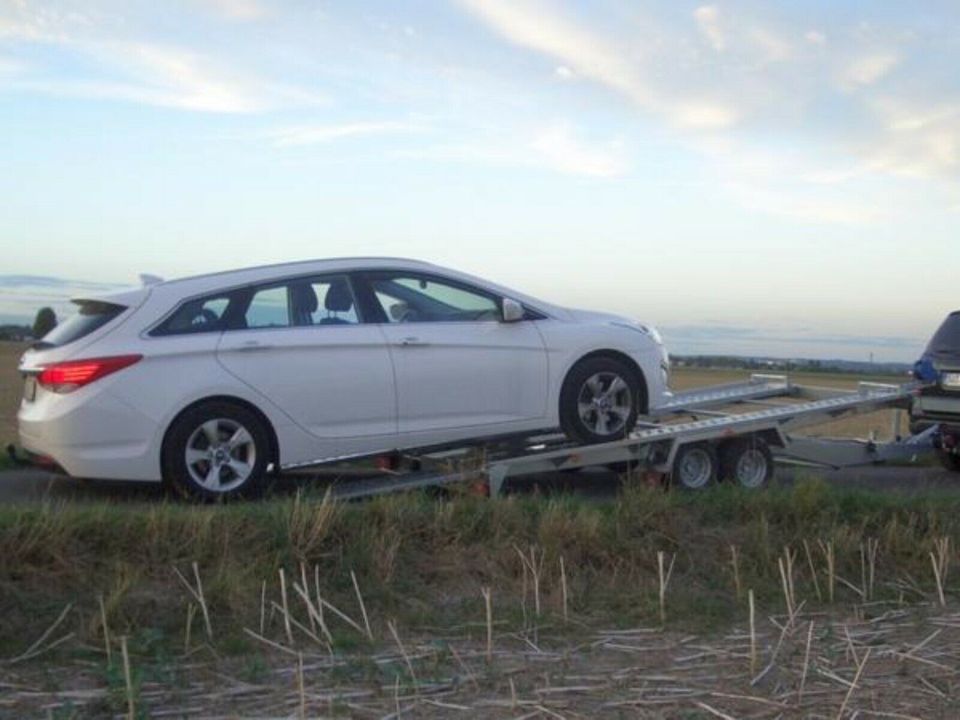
(68, 376)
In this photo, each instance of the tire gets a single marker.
(229, 451)
(950, 460)
(608, 417)
(747, 462)
(694, 466)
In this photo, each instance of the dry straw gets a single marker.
(128, 679)
(198, 596)
(735, 565)
(488, 602)
(563, 589)
(663, 575)
(753, 634)
(106, 629)
(363, 608)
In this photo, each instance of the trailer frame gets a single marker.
(765, 410)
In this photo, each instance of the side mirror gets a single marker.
(512, 311)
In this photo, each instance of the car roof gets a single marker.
(171, 291)
(284, 269)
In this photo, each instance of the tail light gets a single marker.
(67, 376)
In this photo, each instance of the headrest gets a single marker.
(303, 299)
(339, 298)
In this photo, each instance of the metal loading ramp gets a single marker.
(762, 411)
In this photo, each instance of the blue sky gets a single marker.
(751, 176)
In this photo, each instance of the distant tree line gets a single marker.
(735, 362)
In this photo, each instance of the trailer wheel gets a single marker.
(747, 461)
(695, 466)
(950, 460)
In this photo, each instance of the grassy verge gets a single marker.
(422, 563)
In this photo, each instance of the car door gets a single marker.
(302, 344)
(458, 367)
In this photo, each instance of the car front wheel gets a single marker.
(216, 450)
(600, 401)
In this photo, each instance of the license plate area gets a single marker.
(30, 388)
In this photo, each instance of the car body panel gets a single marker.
(454, 375)
(468, 379)
(311, 372)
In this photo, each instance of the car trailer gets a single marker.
(690, 440)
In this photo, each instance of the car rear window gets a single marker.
(196, 316)
(947, 338)
(90, 316)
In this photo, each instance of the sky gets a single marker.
(751, 177)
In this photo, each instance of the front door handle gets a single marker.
(412, 342)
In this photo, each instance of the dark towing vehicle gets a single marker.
(938, 402)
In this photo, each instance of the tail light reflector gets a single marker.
(67, 376)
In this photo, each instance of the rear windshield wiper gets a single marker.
(41, 345)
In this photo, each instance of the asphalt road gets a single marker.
(32, 486)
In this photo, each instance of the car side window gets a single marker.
(268, 308)
(324, 301)
(196, 316)
(407, 298)
(302, 302)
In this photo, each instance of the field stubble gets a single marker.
(640, 607)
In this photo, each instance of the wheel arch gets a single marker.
(246, 404)
(626, 360)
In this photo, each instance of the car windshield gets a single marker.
(90, 316)
(947, 338)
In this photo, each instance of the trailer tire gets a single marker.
(950, 460)
(747, 462)
(694, 466)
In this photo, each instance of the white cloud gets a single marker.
(918, 139)
(134, 70)
(564, 73)
(815, 37)
(319, 134)
(561, 150)
(556, 146)
(241, 10)
(543, 28)
(868, 69)
(708, 19)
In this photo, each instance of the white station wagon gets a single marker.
(210, 382)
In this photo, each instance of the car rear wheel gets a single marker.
(600, 401)
(216, 450)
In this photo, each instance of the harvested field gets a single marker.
(639, 607)
(882, 662)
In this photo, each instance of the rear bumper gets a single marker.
(89, 434)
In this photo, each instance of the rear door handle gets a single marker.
(412, 342)
(250, 345)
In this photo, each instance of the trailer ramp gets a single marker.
(689, 417)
